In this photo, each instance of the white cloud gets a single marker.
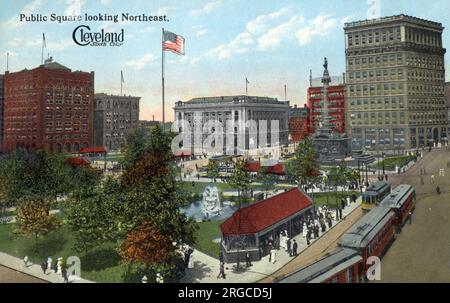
(272, 38)
(14, 22)
(74, 7)
(241, 44)
(207, 9)
(319, 26)
(199, 30)
(165, 10)
(16, 41)
(260, 23)
(140, 63)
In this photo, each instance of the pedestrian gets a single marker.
(49, 264)
(340, 213)
(44, 266)
(273, 254)
(294, 248)
(248, 260)
(432, 179)
(308, 241)
(342, 203)
(289, 248)
(410, 217)
(221, 271)
(25, 261)
(64, 274)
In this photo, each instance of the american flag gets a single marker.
(173, 42)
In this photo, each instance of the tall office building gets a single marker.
(395, 83)
(49, 107)
(114, 117)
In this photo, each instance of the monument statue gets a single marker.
(211, 204)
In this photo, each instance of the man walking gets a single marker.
(221, 271)
(294, 248)
(289, 249)
(248, 260)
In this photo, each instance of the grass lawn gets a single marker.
(391, 162)
(321, 198)
(205, 234)
(100, 264)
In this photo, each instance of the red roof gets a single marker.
(314, 173)
(277, 169)
(93, 150)
(182, 154)
(261, 215)
(77, 161)
(252, 167)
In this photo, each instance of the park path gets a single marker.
(35, 270)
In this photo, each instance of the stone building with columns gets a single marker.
(248, 135)
(395, 78)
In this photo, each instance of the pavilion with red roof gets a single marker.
(252, 228)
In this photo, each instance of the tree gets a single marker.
(212, 170)
(137, 145)
(147, 244)
(34, 218)
(93, 215)
(268, 181)
(303, 165)
(239, 179)
(151, 194)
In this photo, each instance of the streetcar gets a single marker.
(402, 201)
(374, 194)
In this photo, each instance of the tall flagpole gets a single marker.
(246, 86)
(285, 93)
(121, 83)
(7, 61)
(43, 41)
(162, 80)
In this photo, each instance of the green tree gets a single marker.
(303, 166)
(93, 215)
(240, 179)
(212, 170)
(151, 194)
(268, 181)
(34, 218)
(137, 145)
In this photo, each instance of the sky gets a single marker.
(272, 43)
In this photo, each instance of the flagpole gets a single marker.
(121, 83)
(42, 55)
(7, 61)
(162, 81)
(246, 86)
(285, 93)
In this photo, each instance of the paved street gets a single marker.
(421, 253)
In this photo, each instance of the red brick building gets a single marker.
(336, 99)
(49, 107)
(298, 123)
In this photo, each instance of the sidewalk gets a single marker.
(35, 270)
(206, 268)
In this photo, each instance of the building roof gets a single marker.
(277, 169)
(252, 166)
(93, 150)
(360, 234)
(261, 215)
(324, 268)
(78, 161)
(396, 18)
(54, 65)
(398, 196)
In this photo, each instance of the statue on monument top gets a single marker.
(325, 64)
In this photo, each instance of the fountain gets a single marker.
(210, 207)
(211, 201)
